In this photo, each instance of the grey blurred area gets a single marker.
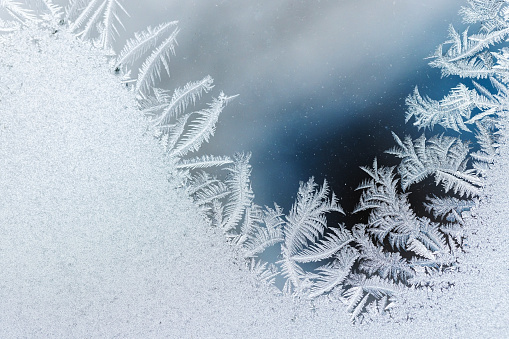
(305, 72)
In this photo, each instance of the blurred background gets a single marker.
(321, 83)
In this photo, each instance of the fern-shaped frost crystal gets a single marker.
(334, 274)
(204, 161)
(241, 195)
(206, 189)
(375, 260)
(391, 216)
(96, 15)
(364, 291)
(466, 57)
(469, 55)
(442, 156)
(162, 108)
(448, 208)
(151, 68)
(449, 113)
(201, 128)
(306, 223)
(265, 272)
(261, 238)
(142, 42)
(17, 11)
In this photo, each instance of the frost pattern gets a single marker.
(364, 265)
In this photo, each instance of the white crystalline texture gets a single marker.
(86, 214)
(95, 241)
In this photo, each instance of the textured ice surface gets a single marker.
(96, 242)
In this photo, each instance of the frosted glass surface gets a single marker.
(100, 238)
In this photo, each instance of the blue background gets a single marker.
(322, 83)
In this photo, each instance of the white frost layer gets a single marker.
(95, 242)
